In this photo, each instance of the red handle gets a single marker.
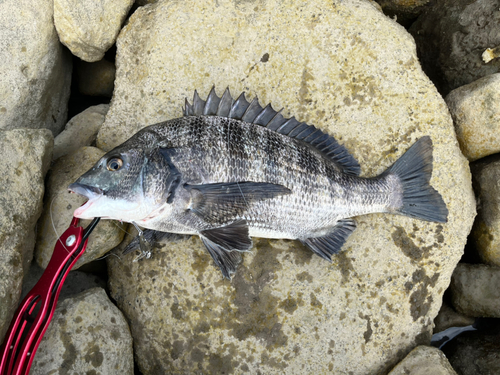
(33, 316)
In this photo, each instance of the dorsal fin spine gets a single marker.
(239, 102)
(252, 111)
(198, 104)
(302, 131)
(261, 118)
(225, 104)
(285, 124)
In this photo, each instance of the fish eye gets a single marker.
(114, 164)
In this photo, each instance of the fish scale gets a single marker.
(307, 170)
(230, 170)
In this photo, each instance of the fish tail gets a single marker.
(414, 170)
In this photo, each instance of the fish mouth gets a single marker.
(90, 192)
(85, 190)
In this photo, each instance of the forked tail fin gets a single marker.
(414, 169)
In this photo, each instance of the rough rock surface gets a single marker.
(451, 36)
(475, 109)
(89, 28)
(80, 131)
(96, 79)
(424, 360)
(24, 159)
(476, 352)
(475, 290)
(448, 318)
(347, 68)
(59, 206)
(35, 71)
(404, 10)
(486, 230)
(87, 335)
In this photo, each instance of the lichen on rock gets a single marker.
(88, 335)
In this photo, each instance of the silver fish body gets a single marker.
(230, 170)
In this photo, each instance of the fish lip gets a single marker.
(92, 193)
(85, 190)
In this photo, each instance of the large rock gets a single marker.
(80, 131)
(351, 71)
(424, 360)
(35, 70)
(87, 335)
(486, 230)
(475, 109)
(89, 28)
(24, 159)
(451, 36)
(59, 206)
(475, 290)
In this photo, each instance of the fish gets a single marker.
(229, 170)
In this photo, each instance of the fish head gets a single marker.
(114, 185)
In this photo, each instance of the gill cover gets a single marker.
(160, 177)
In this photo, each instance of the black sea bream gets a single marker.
(230, 170)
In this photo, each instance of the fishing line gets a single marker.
(121, 227)
(52, 221)
(109, 254)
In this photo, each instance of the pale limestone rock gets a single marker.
(475, 109)
(24, 159)
(486, 229)
(348, 69)
(59, 206)
(89, 28)
(80, 131)
(424, 360)
(87, 335)
(35, 71)
(475, 290)
(96, 79)
(491, 54)
(448, 318)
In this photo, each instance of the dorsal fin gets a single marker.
(252, 112)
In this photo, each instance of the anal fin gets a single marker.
(331, 243)
(225, 243)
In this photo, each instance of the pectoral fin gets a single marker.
(332, 243)
(213, 201)
(225, 243)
